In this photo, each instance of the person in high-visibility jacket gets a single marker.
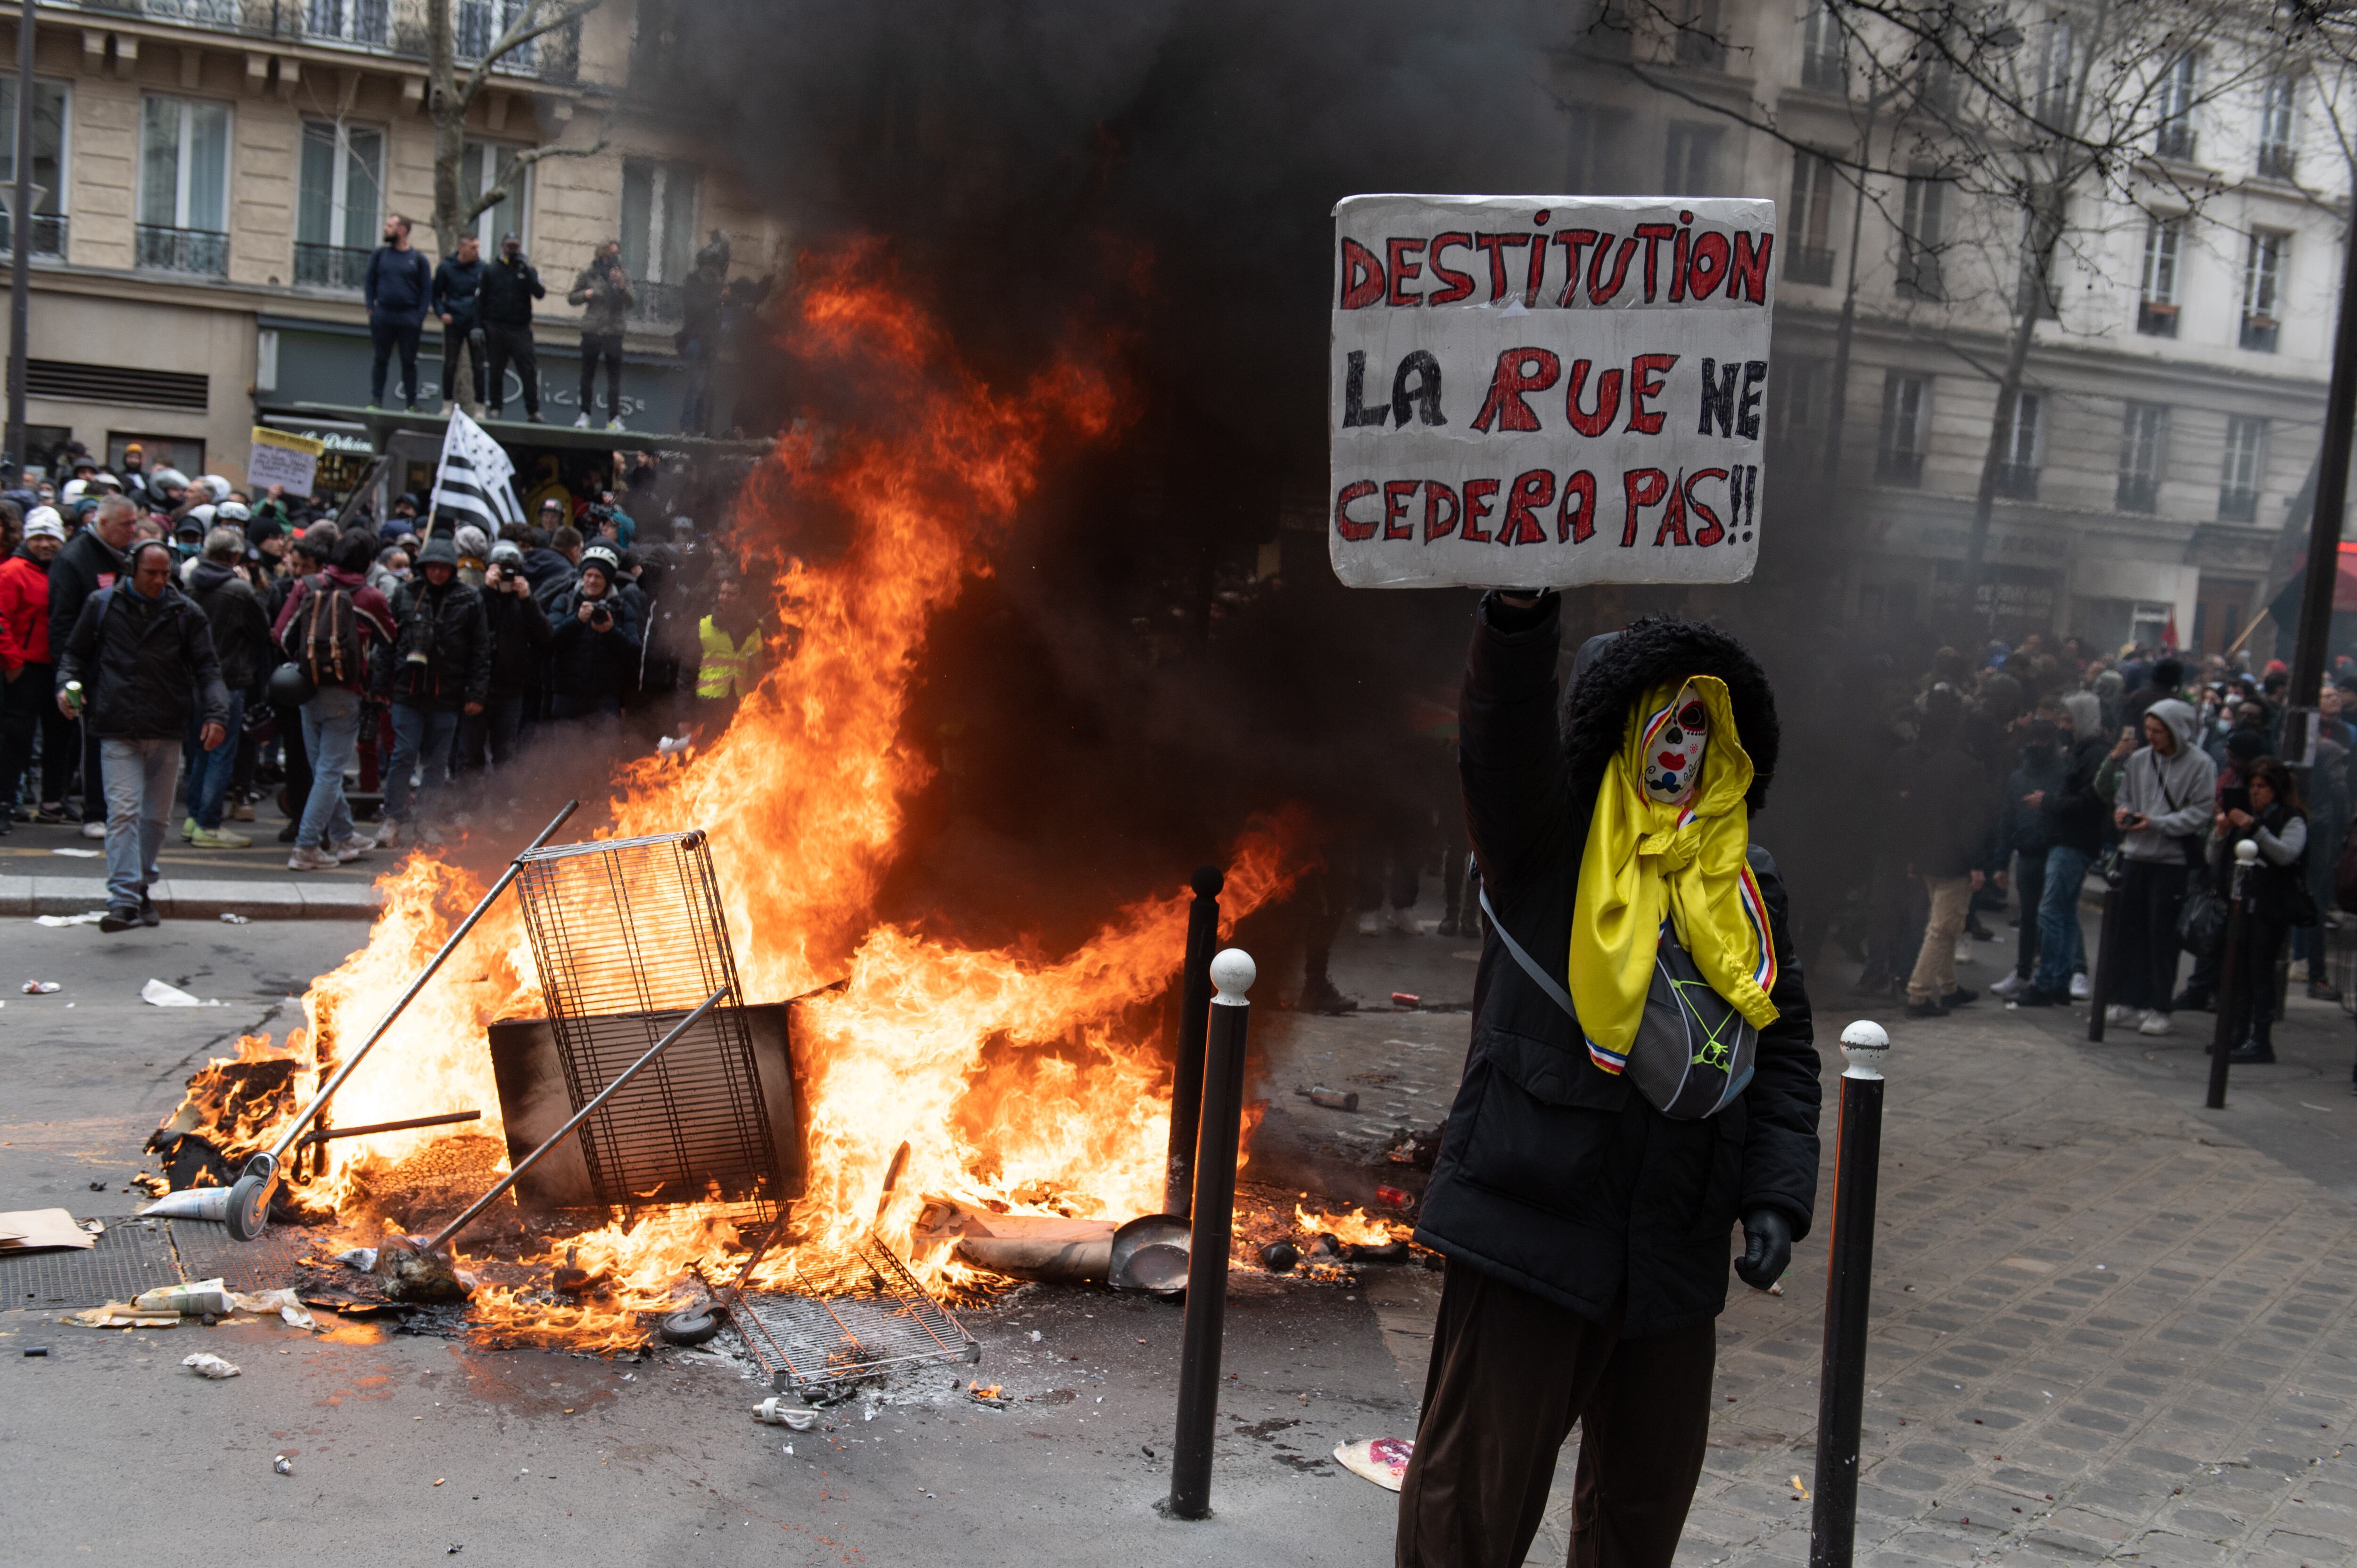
(730, 645)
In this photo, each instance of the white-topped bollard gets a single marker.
(1233, 971)
(1850, 1279)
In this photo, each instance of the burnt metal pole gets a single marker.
(2230, 975)
(1206, 1262)
(1849, 1278)
(1194, 1016)
(2309, 643)
(2107, 946)
(20, 241)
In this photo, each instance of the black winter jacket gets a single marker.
(2076, 815)
(143, 665)
(458, 287)
(240, 626)
(520, 641)
(86, 564)
(590, 664)
(1552, 1175)
(446, 625)
(507, 293)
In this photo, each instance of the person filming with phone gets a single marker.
(2166, 795)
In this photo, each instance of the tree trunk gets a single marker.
(2043, 232)
(1837, 395)
(444, 102)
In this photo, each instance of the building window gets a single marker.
(2263, 274)
(482, 164)
(1824, 49)
(483, 23)
(657, 233)
(2278, 159)
(2017, 476)
(2144, 437)
(1699, 39)
(1596, 166)
(1809, 253)
(1906, 425)
(183, 186)
(1691, 165)
(2055, 79)
(351, 21)
(339, 204)
(2178, 87)
(49, 167)
(2239, 477)
(1919, 234)
(2157, 306)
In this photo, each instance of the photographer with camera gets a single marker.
(521, 639)
(437, 666)
(603, 290)
(503, 305)
(596, 649)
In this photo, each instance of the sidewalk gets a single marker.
(2107, 1325)
(53, 870)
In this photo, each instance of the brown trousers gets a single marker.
(1509, 1374)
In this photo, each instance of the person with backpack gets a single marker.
(138, 661)
(330, 625)
(437, 666)
(1583, 1211)
(241, 633)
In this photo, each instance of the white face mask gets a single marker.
(1674, 760)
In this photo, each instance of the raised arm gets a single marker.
(1509, 748)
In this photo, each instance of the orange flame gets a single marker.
(1015, 1080)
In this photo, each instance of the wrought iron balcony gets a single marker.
(390, 29)
(2157, 318)
(2236, 504)
(2137, 492)
(1896, 467)
(330, 266)
(2175, 141)
(2278, 160)
(48, 234)
(2018, 481)
(1825, 70)
(2259, 333)
(655, 301)
(198, 250)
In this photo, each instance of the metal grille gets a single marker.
(132, 1256)
(865, 1315)
(630, 936)
(207, 1251)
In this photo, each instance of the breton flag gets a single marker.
(472, 482)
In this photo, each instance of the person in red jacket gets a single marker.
(26, 709)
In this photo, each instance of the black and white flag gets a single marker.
(472, 483)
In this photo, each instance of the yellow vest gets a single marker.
(727, 667)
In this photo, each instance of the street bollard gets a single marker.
(2230, 975)
(2107, 943)
(1849, 1278)
(1194, 1010)
(1207, 1263)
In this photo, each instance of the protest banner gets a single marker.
(1531, 391)
(291, 462)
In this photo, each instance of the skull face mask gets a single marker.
(1673, 757)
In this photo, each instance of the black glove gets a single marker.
(1767, 1248)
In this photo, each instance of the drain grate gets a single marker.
(868, 1315)
(209, 1251)
(132, 1256)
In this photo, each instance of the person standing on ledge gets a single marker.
(397, 289)
(1586, 1231)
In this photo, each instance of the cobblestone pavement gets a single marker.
(2108, 1325)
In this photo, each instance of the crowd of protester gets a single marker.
(176, 646)
(2020, 769)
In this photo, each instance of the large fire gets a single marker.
(1016, 1081)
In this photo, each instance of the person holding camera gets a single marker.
(603, 290)
(438, 665)
(596, 647)
(2167, 793)
(503, 305)
(520, 638)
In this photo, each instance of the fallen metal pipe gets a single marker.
(603, 1095)
(249, 1208)
(322, 1134)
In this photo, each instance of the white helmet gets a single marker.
(231, 512)
(164, 480)
(215, 483)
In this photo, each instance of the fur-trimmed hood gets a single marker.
(1612, 671)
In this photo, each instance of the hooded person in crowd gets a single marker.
(2164, 804)
(1584, 1229)
(436, 670)
(2075, 813)
(1946, 797)
(241, 634)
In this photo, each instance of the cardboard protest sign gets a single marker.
(278, 458)
(1533, 391)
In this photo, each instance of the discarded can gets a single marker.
(1407, 999)
(1398, 1197)
(41, 988)
(1331, 1098)
(189, 1301)
(777, 1413)
(285, 1467)
(1278, 1257)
